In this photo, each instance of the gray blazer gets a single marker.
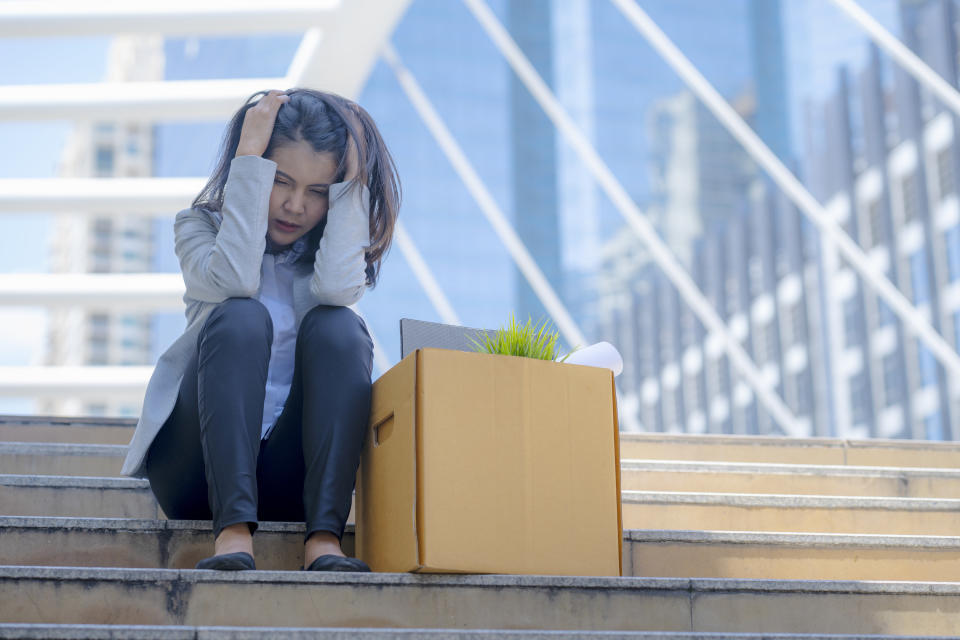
(221, 260)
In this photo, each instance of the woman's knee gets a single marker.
(240, 320)
(336, 329)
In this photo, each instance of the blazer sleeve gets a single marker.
(217, 265)
(339, 270)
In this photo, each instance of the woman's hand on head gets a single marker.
(258, 124)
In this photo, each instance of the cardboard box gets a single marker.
(479, 463)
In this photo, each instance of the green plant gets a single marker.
(526, 340)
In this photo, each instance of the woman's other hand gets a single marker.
(258, 124)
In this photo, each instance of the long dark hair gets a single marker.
(321, 119)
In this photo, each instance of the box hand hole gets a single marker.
(383, 431)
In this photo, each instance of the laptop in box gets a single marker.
(416, 334)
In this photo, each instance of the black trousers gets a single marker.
(208, 461)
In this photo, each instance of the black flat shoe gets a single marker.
(331, 562)
(238, 561)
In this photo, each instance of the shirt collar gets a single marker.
(290, 253)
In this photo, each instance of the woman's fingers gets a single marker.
(258, 123)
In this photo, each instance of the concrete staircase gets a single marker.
(724, 537)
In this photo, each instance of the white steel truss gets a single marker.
(661, 254)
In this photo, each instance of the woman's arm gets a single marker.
(339, 272)
(225, 264)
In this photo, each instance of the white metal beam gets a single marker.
(631, 213)
(341, 59)
(914, 321)
(85, 382)
(160, 197)
(162, 101)
(43, 18)
(144, 292)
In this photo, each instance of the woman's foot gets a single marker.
(233, 538)
(232, 550)
(321, 543)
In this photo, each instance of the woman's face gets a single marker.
(300, 190)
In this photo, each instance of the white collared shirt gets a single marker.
(276, 294)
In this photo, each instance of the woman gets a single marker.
(259, 410)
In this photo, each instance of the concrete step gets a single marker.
(781, 478)
(146, 543)
(790, 513)
(104, 497)
(29, 458)
(179, 544)
(81, 497)
(818, 451)
(66, 429)
(660, 446)
(790, 556)
(180, 632)
(77, 496)
(58, 458)
(68, 595)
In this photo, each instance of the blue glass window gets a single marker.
(952, 241)
(104, 160)
(933, 425)
(885, 315)
(919, 284)
(858, 398)
(928, 367)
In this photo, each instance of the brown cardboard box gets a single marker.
(479, 463)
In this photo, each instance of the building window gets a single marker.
(694, 394)
(766, 343)
(919, 285)
(891, 380)
(104, 160)
(716, 374)
(794, 326)
(885, 315)
(944, 173)
(102, 226)
(927, 365)
(911, 205)
(97, 409)
(951, 241)
(851, 321)
(858, 398)
(933, 426)
(648, 416)
(874, 225)
(802, 389)
(670, 414)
